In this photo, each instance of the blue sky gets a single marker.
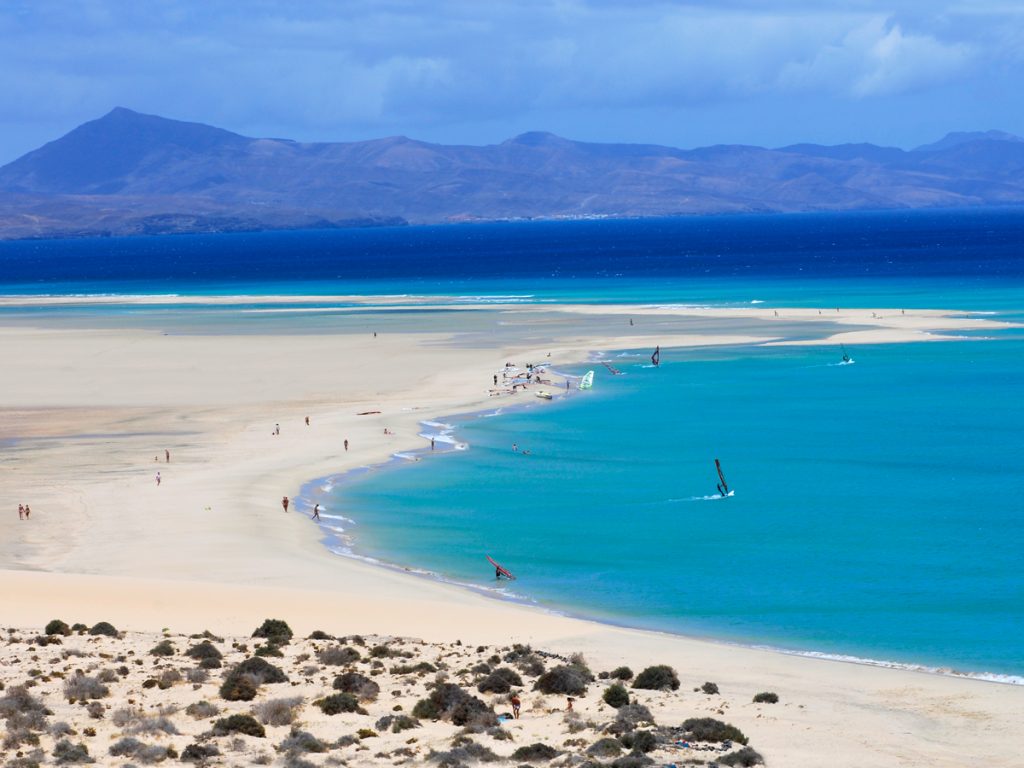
(766, 72)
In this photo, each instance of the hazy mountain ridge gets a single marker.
(128, 173)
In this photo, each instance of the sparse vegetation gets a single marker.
(745, 758)
(238, 723)
(657, 678)
(204, 650)
(337, 703)
(621, 673)
(163, 648)
(566, 680)
(57, 627)
(709, 729)
(500, 680)
(711, 689)
(448, 701)
(535, 753)
(616, 695)
(605, 748)
(338, 656)
(103, 628)
(275, 631)
(277, 711)
(82, 688)
(299, 742)
(359, 685)
(201, 710)
(766, 697)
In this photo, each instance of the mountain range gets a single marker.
(129, 173)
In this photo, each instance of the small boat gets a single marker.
(499, 570)
(544, 395)
(723, 487)
(587, 381)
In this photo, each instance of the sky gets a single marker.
(685, 74)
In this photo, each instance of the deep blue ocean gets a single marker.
(877, 509)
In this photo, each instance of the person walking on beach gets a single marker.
(516, 704)
(284, 503)
(28, 512)
(277, 429)
(346, 444)
(495, 379)
(316, 511)
(167, 456)
(21, 511)
(307, 421)
(158, 479)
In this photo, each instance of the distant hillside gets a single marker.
(129, 173)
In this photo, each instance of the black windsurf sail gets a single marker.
(846, 355)
(656, 357)
(723, 487)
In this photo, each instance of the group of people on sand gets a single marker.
(24, 512)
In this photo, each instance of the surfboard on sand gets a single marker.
(500, 569)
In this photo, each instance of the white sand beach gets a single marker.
(87, 413)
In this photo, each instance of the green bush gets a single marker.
(640, 741)
(337, 703)
(300, 742)
(745, 758)
(358, 685)
(766, 697)
(204, 650)
(396, 723)
(163, 648)
(621, 673)
(449, 701)
(57, 627)
(199, 753)
(269, 649)
(338, 656)
(711, 689)
(535, 753)
(244, 724)
(316, 634)
(238, 688)
(709, 729)
(103, 628)
(566, 680)
(606, 747)
(67, 753)
(500, 680)
(657, 678)
(616, 695)
(274, 630)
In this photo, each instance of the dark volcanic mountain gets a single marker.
(131, 173)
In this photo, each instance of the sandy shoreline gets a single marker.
(211, 545)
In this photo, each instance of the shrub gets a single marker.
(766, 697)
(338, 656)
(107, 676)
(606, 747)
(640, 741)
(408, 669)
(448, 701)
(79, 628)
(240, 688)
(57, 627)
(657, 678)
(629, 717)
(564, 679)
(709, 729)
(201, 710)
(197, 675)
(204, 650)
(337, 703)
(277, 711)
(316, 634)
(621, 673)
(244, 724)
(535, 753)
(396, 723)
(357, 684)
(531, 665)
(95, 710)
(616, 695)
(300, 741)
(66, 753)
(126, 746)
(103, 628)
(199, 753)
(500, 680)
(19, 702)
(274, 630)
(711, 689)
(269, 649)
(242, 681)
(163, 648)
(261, 670)
(745, 757)
(631, 761)
(83, 687)
(209, 664)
